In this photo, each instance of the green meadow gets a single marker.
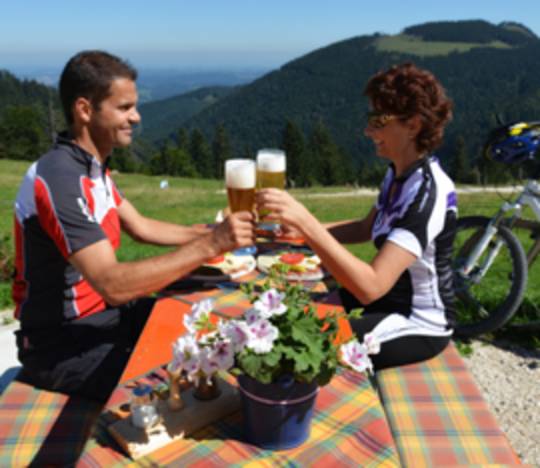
(188, 201)
(403, 43)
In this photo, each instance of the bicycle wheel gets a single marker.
(487, 301)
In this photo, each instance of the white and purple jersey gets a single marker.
(67, 201)
(418, 211)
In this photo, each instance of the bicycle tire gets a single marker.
(486, 304)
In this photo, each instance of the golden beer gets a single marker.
(271, 165)
(240, 178)
(241, 199)
(270, 179)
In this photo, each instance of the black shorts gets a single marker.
(85, 357)
(397, 351)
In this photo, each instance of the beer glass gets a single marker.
(271, 167)
(240, 177)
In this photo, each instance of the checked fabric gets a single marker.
(438, 416)
(349, 426)
(348, 429)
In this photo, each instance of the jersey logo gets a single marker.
(84, 209)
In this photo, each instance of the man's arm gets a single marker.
(119, 282)
(152, 231)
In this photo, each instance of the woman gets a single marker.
(406, 290)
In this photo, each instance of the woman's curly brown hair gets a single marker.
(407, 90)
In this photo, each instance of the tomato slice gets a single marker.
(215, 260)
(292, 258)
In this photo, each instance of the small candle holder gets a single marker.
(207, 390)
(174, 401)
(143, 407)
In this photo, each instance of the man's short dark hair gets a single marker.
(89, 74)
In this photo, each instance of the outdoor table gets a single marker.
(348, 428)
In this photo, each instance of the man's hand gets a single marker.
(237, 230)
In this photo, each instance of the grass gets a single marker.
(405, 44)
(190, 201)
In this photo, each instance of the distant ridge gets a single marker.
(16, 92)
(161, 118)
(479, 31)
(496, 71)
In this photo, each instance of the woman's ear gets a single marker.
(414, 125)
(82, 110)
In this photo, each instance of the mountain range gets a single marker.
(490, 71)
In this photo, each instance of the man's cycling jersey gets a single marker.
(417, 211)
(66, 202)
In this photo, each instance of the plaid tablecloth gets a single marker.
(43, 428)
(438, 416)
(349, 426)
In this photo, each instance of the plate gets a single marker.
(209, 276)
(232, 266)
(307, 269)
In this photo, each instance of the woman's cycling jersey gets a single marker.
(417, 211)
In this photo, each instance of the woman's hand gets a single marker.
(284, 209)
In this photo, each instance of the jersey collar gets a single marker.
(93, 166)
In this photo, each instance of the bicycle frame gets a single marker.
(530, 196)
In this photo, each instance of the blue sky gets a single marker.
(219, 33)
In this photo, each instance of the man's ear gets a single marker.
(82, 110)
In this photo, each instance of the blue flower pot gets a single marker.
(277, 416)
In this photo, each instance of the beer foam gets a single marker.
(240, 173)
(271, 160)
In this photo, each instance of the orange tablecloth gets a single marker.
(349, 425)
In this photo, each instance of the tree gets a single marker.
(327, 162)
(174, 161)
(201, 155)
(122, 160)
(183, 139)
(22, 133)
(461, 170)
(221, 150)
(183, 164)
(295, 148)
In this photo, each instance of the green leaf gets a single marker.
(305, 331)
(272, 358)
(251, 363)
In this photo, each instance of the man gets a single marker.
(81, 310)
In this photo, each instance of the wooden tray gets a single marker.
(175, 425)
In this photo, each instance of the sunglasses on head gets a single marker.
(376, 119)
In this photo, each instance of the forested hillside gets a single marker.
(313, 107)
(29, 111)
(487, 70)
(159, 117)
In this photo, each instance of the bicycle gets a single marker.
(490, 263)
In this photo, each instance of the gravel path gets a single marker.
(509, 377)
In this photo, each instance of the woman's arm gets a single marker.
(367, 281)
(352, 231)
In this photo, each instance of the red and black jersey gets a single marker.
(67, 201)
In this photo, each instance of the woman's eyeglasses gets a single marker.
(379, 120)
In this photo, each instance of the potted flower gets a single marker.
(282, 350)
